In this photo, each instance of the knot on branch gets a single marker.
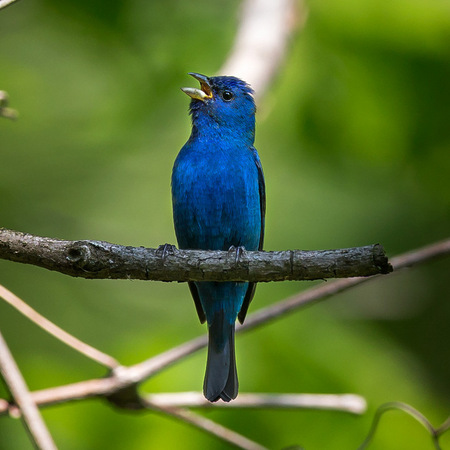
(126, 395)
(78, 254)
(99, 259)
(126, 398)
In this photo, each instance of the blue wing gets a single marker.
(262, 203)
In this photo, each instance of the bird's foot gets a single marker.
(238, 252)
(165, 250)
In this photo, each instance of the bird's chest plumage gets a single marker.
(216, 197)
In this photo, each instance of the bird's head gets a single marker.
(222, 105)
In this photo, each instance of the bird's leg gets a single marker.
(238, 251)
(165, 250)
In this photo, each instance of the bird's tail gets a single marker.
(221, 379)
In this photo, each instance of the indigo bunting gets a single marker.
(218, 196)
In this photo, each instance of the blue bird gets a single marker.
(218, 196)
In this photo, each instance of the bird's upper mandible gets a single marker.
(205, 87)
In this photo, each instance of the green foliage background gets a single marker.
(354, 138)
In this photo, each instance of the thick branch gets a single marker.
(97, 259)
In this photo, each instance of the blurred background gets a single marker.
(354, 139)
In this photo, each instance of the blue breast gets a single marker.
(216, 201)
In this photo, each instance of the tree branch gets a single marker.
(57, 332)
(207, 425)
(120, 386)
(262, 40)
(344, 402)
(435, 433)
(98, 259)
(19, 391)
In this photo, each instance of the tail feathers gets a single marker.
(221, 379)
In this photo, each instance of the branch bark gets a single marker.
(98, 259)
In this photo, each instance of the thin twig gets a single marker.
(153, 365)
(325, 290)
(19, 391)
(123, 377)
(344, 402)
(57, 332)
(208, 426)
(443, 428)
(434, 432)
(420, 255)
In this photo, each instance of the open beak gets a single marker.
(204, 92)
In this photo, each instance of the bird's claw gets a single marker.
(238, 252)
(165, 250)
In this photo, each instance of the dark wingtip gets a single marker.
(224, 396)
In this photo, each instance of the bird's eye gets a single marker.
(227, 95)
